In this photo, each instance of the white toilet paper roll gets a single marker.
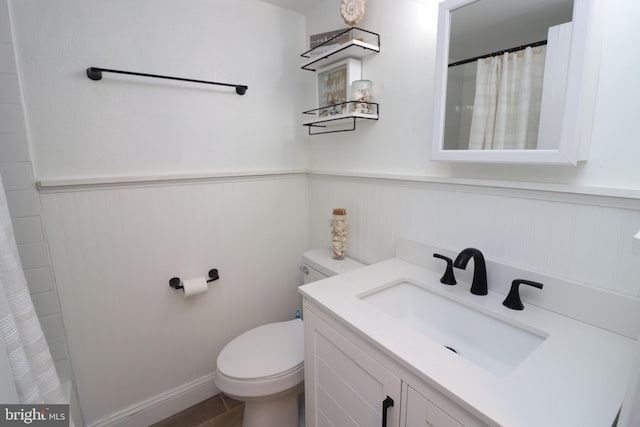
(195, 286)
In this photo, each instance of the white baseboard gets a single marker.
(163, 405)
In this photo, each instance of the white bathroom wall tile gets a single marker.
(33, 255)
(5, 27)
(14, 147)
(39, 279)
(23, 203)
(63, 368)
(58, 348)
(45, 303)
(17, 176)
(11, 118)
(28, 229)
(9, 89)
(52, 326)
(7, 60)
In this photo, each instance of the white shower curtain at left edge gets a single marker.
(34, 373)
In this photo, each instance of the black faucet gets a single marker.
(479, 283)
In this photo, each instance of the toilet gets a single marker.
(264, 367)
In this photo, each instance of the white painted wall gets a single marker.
(127, 126)
(400, 142)
(402, 75)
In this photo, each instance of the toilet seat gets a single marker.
(265, 360)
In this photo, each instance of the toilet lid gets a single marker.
(266, 351)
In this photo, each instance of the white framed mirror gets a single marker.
(516, 80)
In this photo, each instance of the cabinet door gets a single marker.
(421, 412)
(344, 386)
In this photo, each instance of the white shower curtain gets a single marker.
(506, 110)
(34, 373)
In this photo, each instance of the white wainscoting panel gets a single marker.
(572, 239)
(131, 337)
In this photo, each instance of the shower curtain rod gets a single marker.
(500, 52)
(95, 73)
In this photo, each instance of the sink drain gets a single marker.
(450, 348)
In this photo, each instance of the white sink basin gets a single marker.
(494, 344)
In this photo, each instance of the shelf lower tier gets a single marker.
(330, 123)
(323, 119)
(336, 117)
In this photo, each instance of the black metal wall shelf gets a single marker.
(324, 119)
(332, 51)
(353, 42)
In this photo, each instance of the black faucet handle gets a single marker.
(513, 300)
(448, 277)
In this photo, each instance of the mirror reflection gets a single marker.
(507, 64)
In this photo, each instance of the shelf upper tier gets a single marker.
(332, 51)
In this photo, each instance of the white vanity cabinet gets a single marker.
(347, 379)
(417, 410)
(344, 386)
(369, 335)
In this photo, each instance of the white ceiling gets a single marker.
(301, 6)
(485, 26)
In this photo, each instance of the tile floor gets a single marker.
(218, 411)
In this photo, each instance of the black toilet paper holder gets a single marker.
(176, 282)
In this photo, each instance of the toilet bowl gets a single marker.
(264, 367)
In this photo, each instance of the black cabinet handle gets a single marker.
(386, 404)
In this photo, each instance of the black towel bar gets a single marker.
(95, 73)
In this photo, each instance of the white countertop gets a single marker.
(576, 377)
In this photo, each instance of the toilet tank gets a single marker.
(318, 264)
